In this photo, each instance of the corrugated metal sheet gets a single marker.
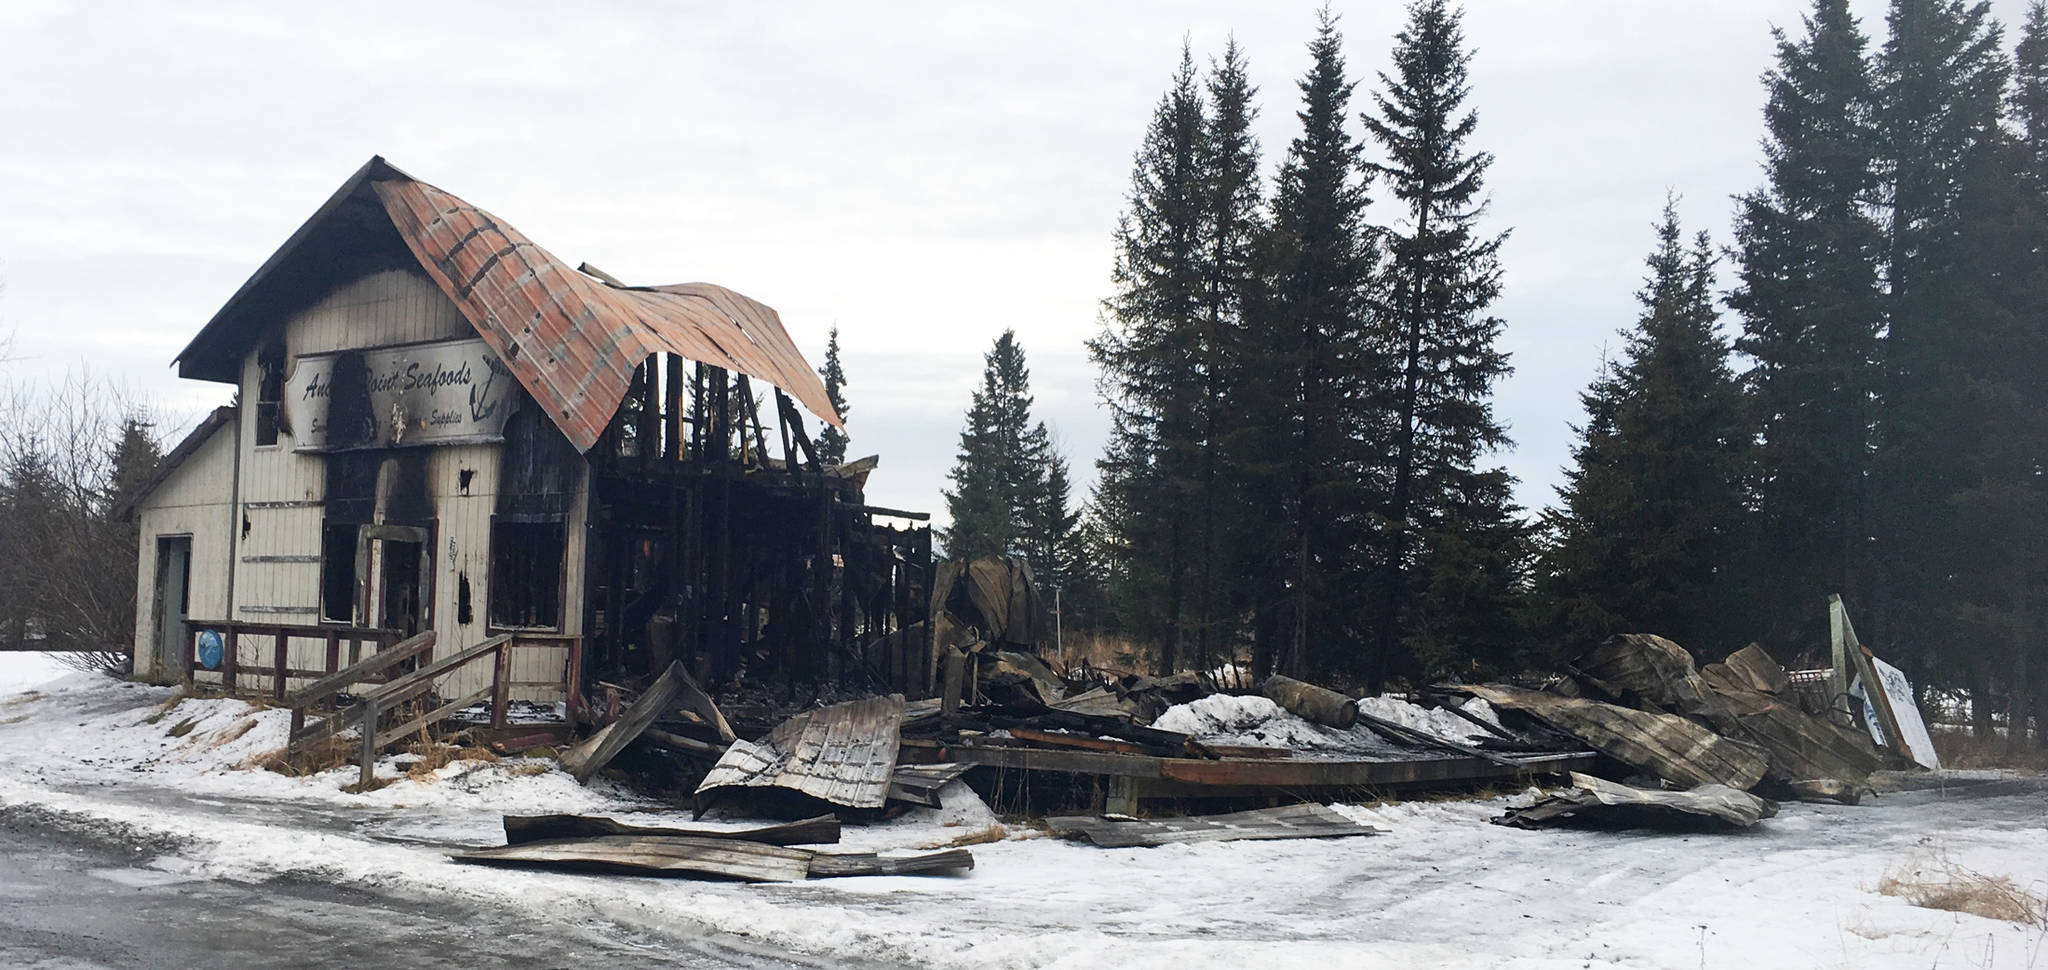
(574, 341)
(844, 754)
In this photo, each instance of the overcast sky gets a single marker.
(923, 176)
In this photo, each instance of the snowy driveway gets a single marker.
(1444, 889)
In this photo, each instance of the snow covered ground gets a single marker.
(1442, 889)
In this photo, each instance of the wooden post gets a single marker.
(501, 684)
(1838, 643)
(369, 753)
(672, 403)
(230, 664)
(333, 651)
(191, 651)
(279, 663)
(956, 677)
(572, 681)
(231, 646)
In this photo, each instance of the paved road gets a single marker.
(72, 899)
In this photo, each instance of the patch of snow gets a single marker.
(1255, 720)
(1434, 721)
(25, 671)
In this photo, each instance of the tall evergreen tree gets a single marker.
(1152, 354)
(2029, 111)
(1012, 493)
(1941, 81)
(1439, 346)
(1305, 425)
(1232, 225)
(1807, 253)
(832, 441)
(997, 471)
(1653, 513)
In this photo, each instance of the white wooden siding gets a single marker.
(281, 517)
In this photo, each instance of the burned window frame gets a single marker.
(498, 588)
(269, 396)
(351, 571)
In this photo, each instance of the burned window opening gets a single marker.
(526, 574)
(269, 392)
(338, 573)
(463, 613)
(463, 478)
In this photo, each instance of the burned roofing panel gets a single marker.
(574, 341)
(844, 754)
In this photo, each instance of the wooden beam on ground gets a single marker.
(593, 753)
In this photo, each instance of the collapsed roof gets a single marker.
(573, 341)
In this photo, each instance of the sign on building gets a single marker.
(424, 394)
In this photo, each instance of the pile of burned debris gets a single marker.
(1721, 741)
(1634, 726)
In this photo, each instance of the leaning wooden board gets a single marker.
(521, 829)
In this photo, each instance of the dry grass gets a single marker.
(528, 769)
(1937, 883)
(16, 719)
(435, 755)
(24, 697)
(1101, 650)
(312, 759)
(1958, 748)
(163, 709)
(183, 727)
(241, 727)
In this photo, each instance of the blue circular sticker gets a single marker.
(209, 649)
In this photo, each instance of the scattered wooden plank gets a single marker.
(1080, 742)
(1306, 821)
(827, 865)
(1243, 750)
(676, 742)
(664, 855)
(524, 742)
(920, 784)
(694, 698)
(590, 756)
(522, 829)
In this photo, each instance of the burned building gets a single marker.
(441, 427)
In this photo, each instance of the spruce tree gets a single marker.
(1011, 493)
(1440, 353)
(1941, 81)
(1304, 421)
(1807, 253)
(1232, 225)
(832, 441)
(2029, 111)
(1653, 513)
(1152, 353)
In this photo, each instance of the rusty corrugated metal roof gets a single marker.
(572, 341)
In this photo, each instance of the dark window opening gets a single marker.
(338, 573)
(526, 574)
(269, 392)
(463, 613)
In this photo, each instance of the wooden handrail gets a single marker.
(442, 666)
(353, 674)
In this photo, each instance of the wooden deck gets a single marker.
(1135, 777)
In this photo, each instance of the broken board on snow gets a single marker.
(521, 829)
(1307, 821)
(707, 858)
(920, 784)
(1592, 797)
